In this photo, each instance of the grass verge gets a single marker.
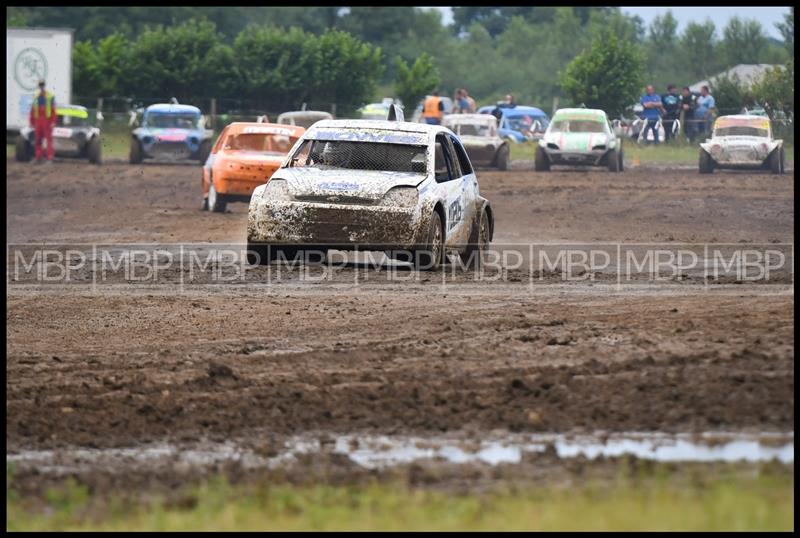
(642, 154)
(722, 502)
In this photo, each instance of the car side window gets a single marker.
(463, 160)
(222, 136)
(456, 167)
(443, 167)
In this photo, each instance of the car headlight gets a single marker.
(277, 190)
(401, 197)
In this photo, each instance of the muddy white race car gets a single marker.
(478, 133)
(742, 141)
(579, 136)
(404, 188)
(73, 136)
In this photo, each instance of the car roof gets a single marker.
(170, 108)
(515, 111)
(761, 122)
(469, 118)
(743, 117)
(404, 126)
(580, 111)
(297, 113)
(255, 127)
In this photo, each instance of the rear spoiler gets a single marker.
(395, 113)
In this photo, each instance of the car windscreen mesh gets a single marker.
(330, 154)
(741, 130)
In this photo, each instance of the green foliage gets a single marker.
(414, 83)
(487, 50)
(786, 28)
(775, 91)
(608, 75)
(744, 42)
(729, 94)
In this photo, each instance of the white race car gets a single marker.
(406, 188)
(579, 136)
(742, 141)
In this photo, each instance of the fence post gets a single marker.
(99, 112)
(213, 114)
(681, 127)
(555, 105)
(333, 109)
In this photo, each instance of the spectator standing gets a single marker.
(433, 109)
(42, 119)
(704, 112)
(672, 111)
(687, 107)
(473, 107)
(651, 103)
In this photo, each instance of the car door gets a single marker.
(448, 178)
(469, 186)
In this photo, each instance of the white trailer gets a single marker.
(33, 54)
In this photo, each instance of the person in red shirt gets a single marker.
(42, 119)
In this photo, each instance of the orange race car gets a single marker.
(244, 156)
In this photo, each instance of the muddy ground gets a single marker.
(101, 368)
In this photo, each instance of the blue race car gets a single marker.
(518, 123)
(173, 132)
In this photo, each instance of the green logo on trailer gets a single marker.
(29, 68)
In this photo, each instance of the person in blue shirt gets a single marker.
(672, 111)
(703, 112)
(651, 102)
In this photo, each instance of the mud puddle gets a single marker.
(376, 452)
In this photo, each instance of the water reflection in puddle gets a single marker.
(383, 451)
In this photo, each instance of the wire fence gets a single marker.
(219, 112)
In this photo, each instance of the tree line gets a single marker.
(283, 56)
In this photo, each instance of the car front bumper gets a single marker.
(586, 158)
(335, 225)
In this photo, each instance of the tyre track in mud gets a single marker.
(123, 368)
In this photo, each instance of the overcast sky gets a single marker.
(767, 16)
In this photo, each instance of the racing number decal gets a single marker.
(454, 214)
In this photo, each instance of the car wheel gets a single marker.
(706, 164)
(136, 152)
(621, 160)
(542, 161)
(23, 151)
(613, 160)
(94, 151)
(258, 254)
(783, 161)
(432, 256)
(472, 257)
(216, 202)
(503, 158)
(204, 151)
(775, 159)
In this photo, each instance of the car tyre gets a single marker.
(706, 164)
(94, 151)
(479, 237)
(23, 151)
(216, 202)
(541, 162)
(613, 161)
(136, 152)
(432, 256)
(776, 161)
(503, 157)
(204, 151)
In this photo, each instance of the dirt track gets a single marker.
(117, 368)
